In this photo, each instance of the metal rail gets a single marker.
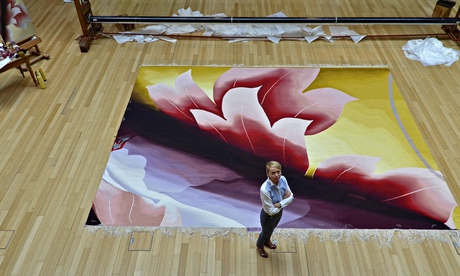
(277, 20)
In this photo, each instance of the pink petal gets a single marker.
(294, 152)
(17, 14)
(245, 125)
(120, 208)
(178, 102)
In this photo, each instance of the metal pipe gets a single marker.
(277, 20)
(438, 35)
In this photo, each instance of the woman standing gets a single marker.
(275, 195)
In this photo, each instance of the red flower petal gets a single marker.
(281, 94)
(415, 189)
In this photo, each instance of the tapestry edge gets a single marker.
(383, 237)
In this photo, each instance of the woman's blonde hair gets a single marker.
(274, 164)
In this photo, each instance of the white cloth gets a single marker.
(429, 52)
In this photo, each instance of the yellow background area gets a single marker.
(366, 127)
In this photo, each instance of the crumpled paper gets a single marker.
(429, 52)
(141, 38)
(344, 31)
(4, 62)
(236, 32)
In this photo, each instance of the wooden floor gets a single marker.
(55, 143)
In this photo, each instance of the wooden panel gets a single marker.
(5, 238)
(285, 245)
(140, 241)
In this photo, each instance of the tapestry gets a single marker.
(192, 147)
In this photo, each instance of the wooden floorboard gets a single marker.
(56, 142)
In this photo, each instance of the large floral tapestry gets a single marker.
(192, 147)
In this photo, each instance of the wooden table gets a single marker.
(16, 63)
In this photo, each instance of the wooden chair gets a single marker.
(31, 46)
